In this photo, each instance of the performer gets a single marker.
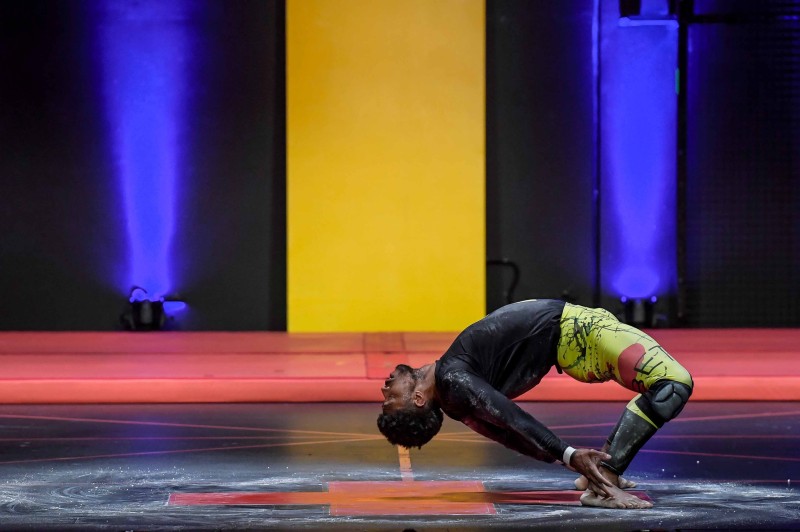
(506, 354)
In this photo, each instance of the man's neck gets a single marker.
(427, 382)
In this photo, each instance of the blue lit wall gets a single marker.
(145, 57)
(637, 114)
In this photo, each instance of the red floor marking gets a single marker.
(686, 419)
(364, 498)
(570, 497)
(477, 438)
(392, 498)
(678, 419)
(737, 416)
(170, 438)
(721, 455)
(180, 425)
(179, 451)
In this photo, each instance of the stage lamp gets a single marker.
(639, 311)
(145, 314)
(648, 12)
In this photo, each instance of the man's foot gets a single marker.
(582, 483)
(617, 499)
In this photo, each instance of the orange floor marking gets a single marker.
(406, 473)
(407, 497)
(365, 498)
(393, 498)
(410, 498)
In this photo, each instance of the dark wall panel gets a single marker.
(743, 183)
(64, 251)
(60, 251)
(232, 248)
(540, 148)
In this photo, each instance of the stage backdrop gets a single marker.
(385, 164)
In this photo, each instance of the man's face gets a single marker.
(397, 388)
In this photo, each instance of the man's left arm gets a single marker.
(495, 416)
(508, 439)
(492, 414)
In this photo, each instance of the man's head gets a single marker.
(409, 416)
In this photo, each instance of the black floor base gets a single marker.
(718, 466)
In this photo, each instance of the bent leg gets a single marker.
(643, 416)
(642, 365)
(664, 385)
(594, 346)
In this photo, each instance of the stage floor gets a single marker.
(731, 465)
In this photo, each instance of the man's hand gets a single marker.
(586, 462)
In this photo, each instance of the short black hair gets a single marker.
(411, 427)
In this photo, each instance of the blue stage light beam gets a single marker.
(144, 50)
(638, 117)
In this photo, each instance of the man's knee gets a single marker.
(664, 401)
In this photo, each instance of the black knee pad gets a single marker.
(664, 401)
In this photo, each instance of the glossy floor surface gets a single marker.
(720, 465)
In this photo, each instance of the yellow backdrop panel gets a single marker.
(385, 164)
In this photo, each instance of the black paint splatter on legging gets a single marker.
(575, 336)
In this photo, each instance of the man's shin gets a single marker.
(643, 416)
(631, 433)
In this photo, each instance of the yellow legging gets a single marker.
(595, 347)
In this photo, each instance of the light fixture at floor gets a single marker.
(638, 311)
(145, 314)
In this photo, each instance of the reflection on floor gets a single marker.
(324, 466)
